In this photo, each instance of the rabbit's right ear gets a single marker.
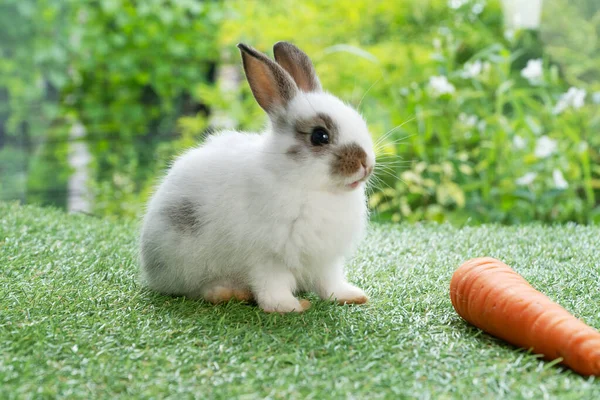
(299, 66)
(271, 85)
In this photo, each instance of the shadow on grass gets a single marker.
(470, 333)
(323, 315)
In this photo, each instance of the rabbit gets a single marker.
(261, 217)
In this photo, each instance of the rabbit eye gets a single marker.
(319, 137)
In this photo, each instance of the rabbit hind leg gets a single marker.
(222, 292)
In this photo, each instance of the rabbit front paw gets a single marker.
(284, 305)
(347, 294)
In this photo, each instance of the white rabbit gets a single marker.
(263, 216)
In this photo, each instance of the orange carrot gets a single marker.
(490, 295)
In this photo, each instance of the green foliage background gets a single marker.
(140, 76)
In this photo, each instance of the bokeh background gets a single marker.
(485, 110)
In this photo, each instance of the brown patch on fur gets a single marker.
(222, 294)
(271, 85)
(356, 300)
(304, 128)
(243, 295)
(304, 305)
(298, 65)
(294, 151)
(322, 120)
(349, 159)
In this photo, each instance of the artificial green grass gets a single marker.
(74, 322)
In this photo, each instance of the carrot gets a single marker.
(490, 295)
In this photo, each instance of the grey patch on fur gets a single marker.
(152, 266)
(271, 85)
(150, 258)
(183, 215)
(282, 123)
(294, 152)
(298, 65)
(349, 159)
(322, 120)
(304, 129)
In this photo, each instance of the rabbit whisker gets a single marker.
(368, 90)
(385, 135)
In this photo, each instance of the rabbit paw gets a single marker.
(349, 294)
(286, 306)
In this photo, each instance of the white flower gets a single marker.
(481, 125)
(526, 179)
(472, 70)
(477, 8)
(519, 142)
(522, 14)
(582, 147)
(545, 147)
(596, 98)
(533, 71)
(578, 98)
(437, 43)
(457, 3)
(468, 120)
(559, 179)
(439, 86)
(509, 34)
(573, 98)
(445, 31)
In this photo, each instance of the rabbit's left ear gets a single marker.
(272, 86)
(298, 65)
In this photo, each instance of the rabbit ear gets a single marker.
(271, 85)
(298, 65)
